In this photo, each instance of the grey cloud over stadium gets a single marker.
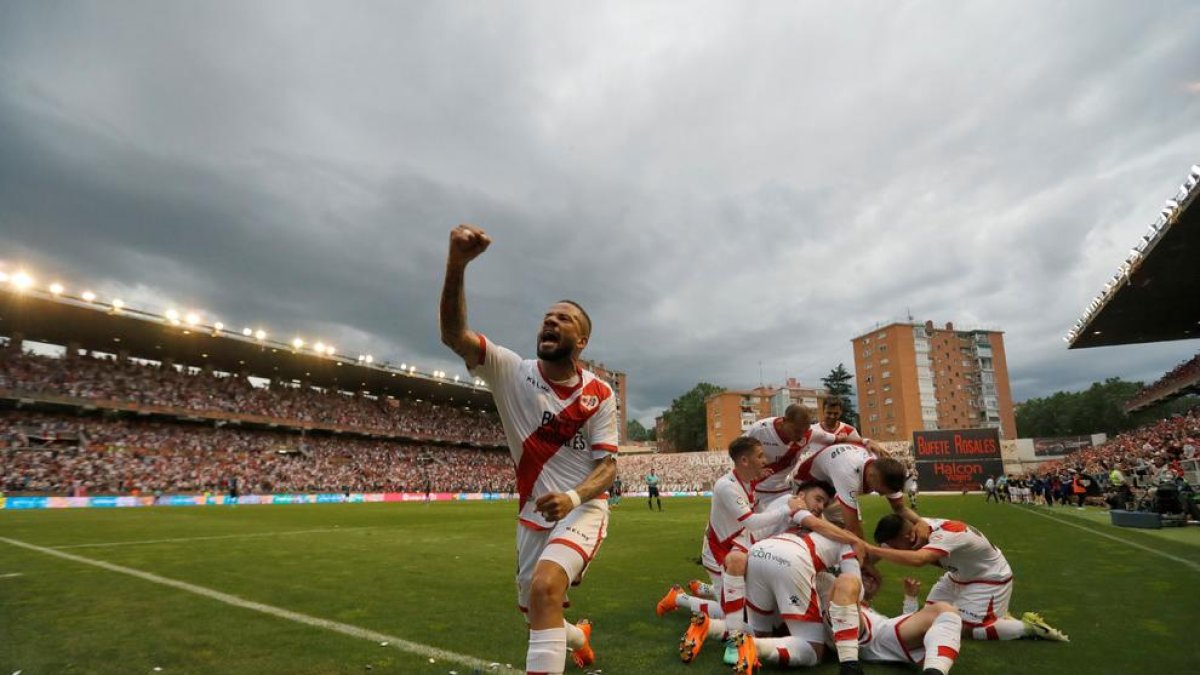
(718, 184)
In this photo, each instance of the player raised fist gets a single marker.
(467, 242)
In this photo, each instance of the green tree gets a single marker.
(838, 382)
(1099, 408)
(634, 431)
(687, 429)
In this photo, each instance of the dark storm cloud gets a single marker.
(720, 185)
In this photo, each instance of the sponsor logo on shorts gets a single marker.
(763, 554)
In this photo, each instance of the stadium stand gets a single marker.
(1183, 379)
(70, 455)
(176, 390)
(1173, 441)
(677, 472)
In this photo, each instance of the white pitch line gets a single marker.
(1194, 565)
(217, 536)
(308, 620)
(10, 575)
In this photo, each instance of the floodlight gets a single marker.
(403, 366)
(3, 276)
(247, 332)
(22, 280)
(56, 288)
(118, 303)
(88, 296)
(319, 347)
(370, 359)
(456, 378)
(329, 349)
(297, 343)
(219, 326)
(260, 334)
(172, 315)
(192, 319)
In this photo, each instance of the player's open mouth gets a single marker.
(548, 336)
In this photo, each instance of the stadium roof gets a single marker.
(49, 317)
(1155, 296)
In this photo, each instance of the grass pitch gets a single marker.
(442, 575)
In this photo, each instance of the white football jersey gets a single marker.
(824, 552)
(781, 457)
(732, 505)
(965, 553)
(555, 434)
(843, 465)
(820, 438)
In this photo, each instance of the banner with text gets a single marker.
(1059, 446)
(956, 459)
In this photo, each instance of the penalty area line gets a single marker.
(1194, 565)
(306, 619)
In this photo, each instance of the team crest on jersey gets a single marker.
(589, 402)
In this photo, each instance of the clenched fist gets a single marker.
(466, 243)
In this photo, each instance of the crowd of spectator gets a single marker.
(197, 391)
(1186, 373)
(1140, 454)
(1122, 473)
(76, 456)
(677, 472)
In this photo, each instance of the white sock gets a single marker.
(733, 601)
(691, 602)
(786, 651)
(707, 591)
(1002, 629)
(575, 636)
(843, 619)
(547, 652)
(942, 642)
(717, 629)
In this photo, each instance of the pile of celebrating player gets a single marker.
(792, 577)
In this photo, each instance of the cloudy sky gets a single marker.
(720, 184)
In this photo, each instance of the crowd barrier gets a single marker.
(108, 502)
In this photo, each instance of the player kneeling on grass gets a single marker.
(978, 580)
(732, 527)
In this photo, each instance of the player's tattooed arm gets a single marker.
(556, 505)
(467, 242)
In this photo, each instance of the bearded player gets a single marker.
(560, 424)
(832, 430)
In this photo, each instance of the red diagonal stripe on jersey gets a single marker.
(720, 547)
(549, 438)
